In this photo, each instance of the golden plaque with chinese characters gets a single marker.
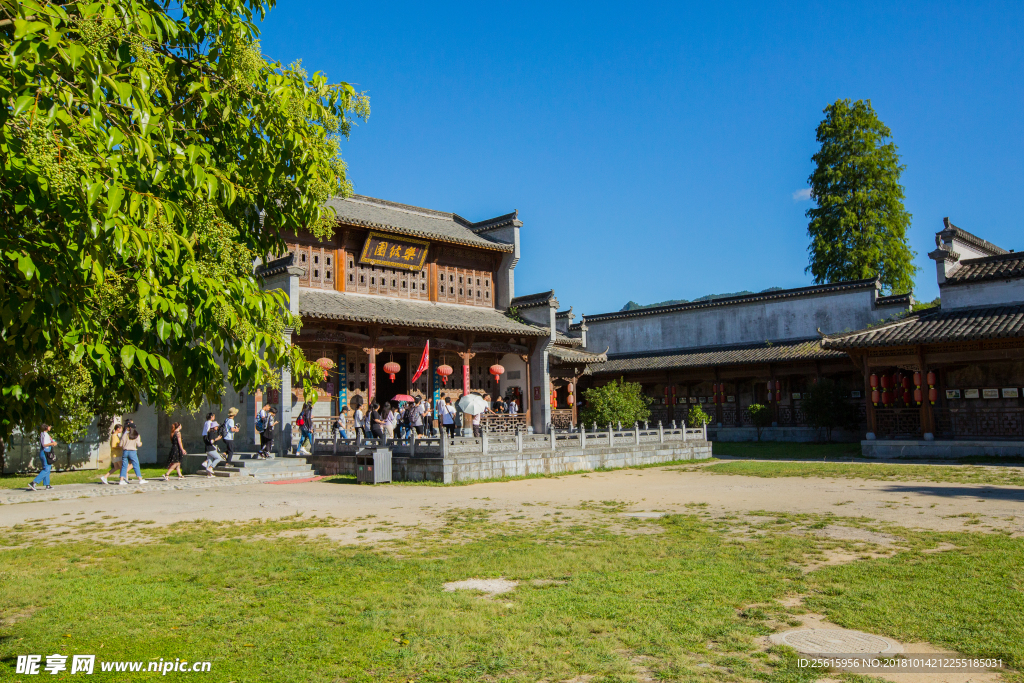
(390, 252)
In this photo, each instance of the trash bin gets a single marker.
(374, 468)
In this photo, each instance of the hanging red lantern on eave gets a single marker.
(497, 371)
(444, 371)
(326, 363)
(391, 367)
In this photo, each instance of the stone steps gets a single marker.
(248, 465)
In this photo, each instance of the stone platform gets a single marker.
(495, 457)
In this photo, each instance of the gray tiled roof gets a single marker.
(365, 308)
(895, 300)
(530, 300)
(711, 356)
(1001, 267)
(369, 212)
(577, 355)
(566, 340)
(871, 283)
(934, 325)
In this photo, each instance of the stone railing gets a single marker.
(520, 442)
(500, 423)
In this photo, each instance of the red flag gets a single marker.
(424, 362)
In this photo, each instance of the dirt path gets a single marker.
(925, 505)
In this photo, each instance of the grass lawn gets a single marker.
(769, 450)
(17, 481)
(958, 474)
(678, 599)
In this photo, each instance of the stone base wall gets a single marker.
(939, 450)
(790, 434)
(471, 467)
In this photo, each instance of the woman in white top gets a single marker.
(390, 420)
(46, 444)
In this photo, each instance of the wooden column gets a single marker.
(575, 401)
(927, 416)
(528, 394)
(371, 367)
(432, 281)
(775, 394)
(719, 397)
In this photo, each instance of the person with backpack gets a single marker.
(416, 417)
(227, 433)
(305, 424)
(211, 435)
(376, 422)
(267, 433)
(177, 453)
(47, 456)
(130, 444)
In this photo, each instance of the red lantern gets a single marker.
(445, 371)
(497, 371)
(326, 363)
(933, 393)
(391, 367)
(931, 378)
(885, 382)
(570, 399)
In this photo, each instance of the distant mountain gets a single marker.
(633, 306)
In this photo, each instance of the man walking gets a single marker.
(229, 430)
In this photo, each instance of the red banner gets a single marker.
(465, 380)
(373, 381)
(424, 363)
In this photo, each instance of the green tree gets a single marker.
(149, 155)
(761, 416)
(617, 401)
(697, 417)
(858, 228)
(827, 407)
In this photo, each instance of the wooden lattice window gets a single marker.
(317, 264)
(393, 282)
(464, 286)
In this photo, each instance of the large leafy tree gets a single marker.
(149, 155)
(858, 228)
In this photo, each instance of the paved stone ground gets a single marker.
(92, 490)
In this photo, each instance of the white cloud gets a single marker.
(802, 195)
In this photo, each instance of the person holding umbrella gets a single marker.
(473, 404)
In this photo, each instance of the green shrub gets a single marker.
(615, 402)
(761, 416)
(697, 417)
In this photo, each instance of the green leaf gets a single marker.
(128, 355)
(22, 104)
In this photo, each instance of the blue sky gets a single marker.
(654, 150)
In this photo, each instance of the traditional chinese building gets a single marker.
(949, 381)
(395, 278)
(727, 353)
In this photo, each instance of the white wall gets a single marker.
(990, 293)
(791, 318)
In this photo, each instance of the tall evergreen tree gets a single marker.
(859, 227)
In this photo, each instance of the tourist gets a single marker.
(478, 430)
(211, 435)
(376, 422)
(499, 406)
(513, 406)
(228, 432)
(261, 425)
(305, 423)
(130, 443)
(46, 455)
(177, 453)
(416, 417)
(428, 417)
(267, 435)
(390, 421)
(357, 421)
(343, 422)
(448, 417)
(115, 453)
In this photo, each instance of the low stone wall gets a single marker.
(788, 434)
(912, 449)
(474, 466)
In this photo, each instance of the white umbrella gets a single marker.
(472, 404)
